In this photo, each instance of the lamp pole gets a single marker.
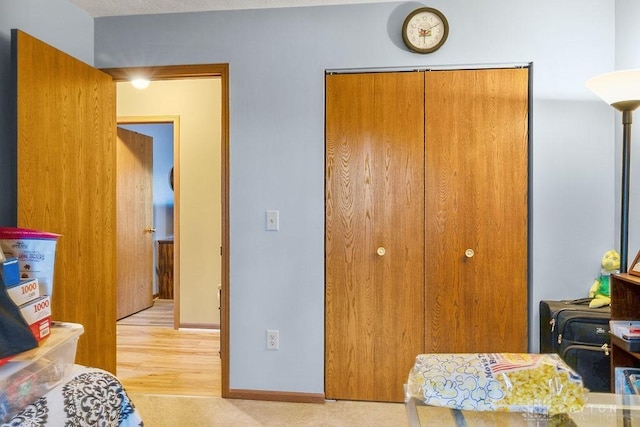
(626, 107)
(627, 119)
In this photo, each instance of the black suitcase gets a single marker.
(580, 335)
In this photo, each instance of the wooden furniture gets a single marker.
(426, 222)
(165, 268)
(625, 305)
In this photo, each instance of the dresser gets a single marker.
(165, 268)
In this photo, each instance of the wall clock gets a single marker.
(425, 30)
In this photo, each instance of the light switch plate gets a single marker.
(273, 220)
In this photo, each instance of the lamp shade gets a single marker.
(620, 89)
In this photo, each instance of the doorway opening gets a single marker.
(186, 73)
(163, 138)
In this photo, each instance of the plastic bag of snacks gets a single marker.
(513, 382)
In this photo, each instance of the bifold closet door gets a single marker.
(477, 214)
(374, 233)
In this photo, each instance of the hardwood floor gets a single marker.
(153, 358)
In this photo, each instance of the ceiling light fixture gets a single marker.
(140, 83)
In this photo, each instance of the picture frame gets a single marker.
(634, 268)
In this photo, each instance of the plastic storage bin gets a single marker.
(31, 374)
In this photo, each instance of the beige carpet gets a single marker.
(160, 411)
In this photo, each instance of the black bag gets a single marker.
(580, 335)
(15, 334)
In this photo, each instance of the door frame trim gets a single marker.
(180, 72)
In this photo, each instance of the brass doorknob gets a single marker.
(150, 230)
(381, 251)
(469, 253)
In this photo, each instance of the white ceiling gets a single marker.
(98, 8)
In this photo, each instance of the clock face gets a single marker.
(425, 30)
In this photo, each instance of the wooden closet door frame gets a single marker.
(529, 66)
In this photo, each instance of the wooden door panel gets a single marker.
(477, 186)
(374, 199)
(134, 221)
(66, 184)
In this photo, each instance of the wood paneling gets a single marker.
(374, 199)
(66, 184)
(477, 190)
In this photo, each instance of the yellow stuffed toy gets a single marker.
(600, 291)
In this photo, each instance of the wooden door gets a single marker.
(134, 222)
(476, 198)
(66, 184)
(374, 233)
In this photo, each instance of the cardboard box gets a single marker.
(37, 314)
(9, 271)
(24, 291)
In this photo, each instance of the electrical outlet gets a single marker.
(273, 339)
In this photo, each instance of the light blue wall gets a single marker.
(61, 25)
(277, 61)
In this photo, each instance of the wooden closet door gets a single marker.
(374, 201)
(477, 187)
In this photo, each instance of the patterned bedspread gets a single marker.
(89, 397)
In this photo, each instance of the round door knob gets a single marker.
(381, 251)
(469, 253)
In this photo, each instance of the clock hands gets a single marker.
(426, 32)
(433, 26)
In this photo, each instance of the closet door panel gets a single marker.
(374, 233)
(477, 187)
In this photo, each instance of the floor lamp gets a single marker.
(621, 90)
